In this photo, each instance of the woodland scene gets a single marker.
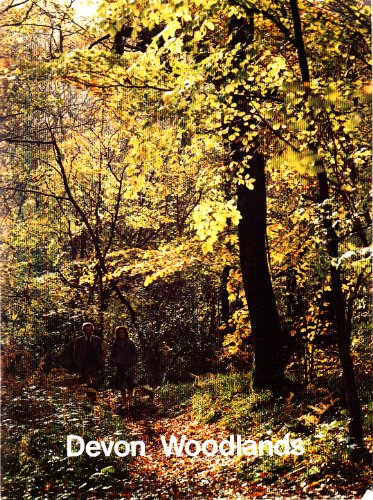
(186, 244)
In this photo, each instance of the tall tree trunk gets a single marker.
(268, 370)
(268, 358)
(343, 336)
(224, 301)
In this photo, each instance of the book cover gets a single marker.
(186, 260)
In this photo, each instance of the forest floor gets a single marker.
(218, 477)
(181, 477)
(39, 415)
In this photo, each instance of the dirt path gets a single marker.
(156, 476)
(159, 476)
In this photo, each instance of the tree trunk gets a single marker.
(268, 370)
(343, 337)
(224, 301)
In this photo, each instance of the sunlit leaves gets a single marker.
(211, 219)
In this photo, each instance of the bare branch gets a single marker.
(100, 257)
(12, 5)
(34, 191)
(19, 23)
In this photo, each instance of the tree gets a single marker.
(208, 103)
(104, 207)
(314, 103)
(343, 335)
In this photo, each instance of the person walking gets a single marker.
(124, 357)
(88, 355)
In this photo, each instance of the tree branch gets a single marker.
(88, 225)
(55, 196)
(100, 40)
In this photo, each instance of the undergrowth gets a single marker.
(36, 423)
(312, 415)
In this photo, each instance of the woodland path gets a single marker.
(159, 476)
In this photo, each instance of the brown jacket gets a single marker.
(80, 352)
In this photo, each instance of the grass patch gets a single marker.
(175, 398)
